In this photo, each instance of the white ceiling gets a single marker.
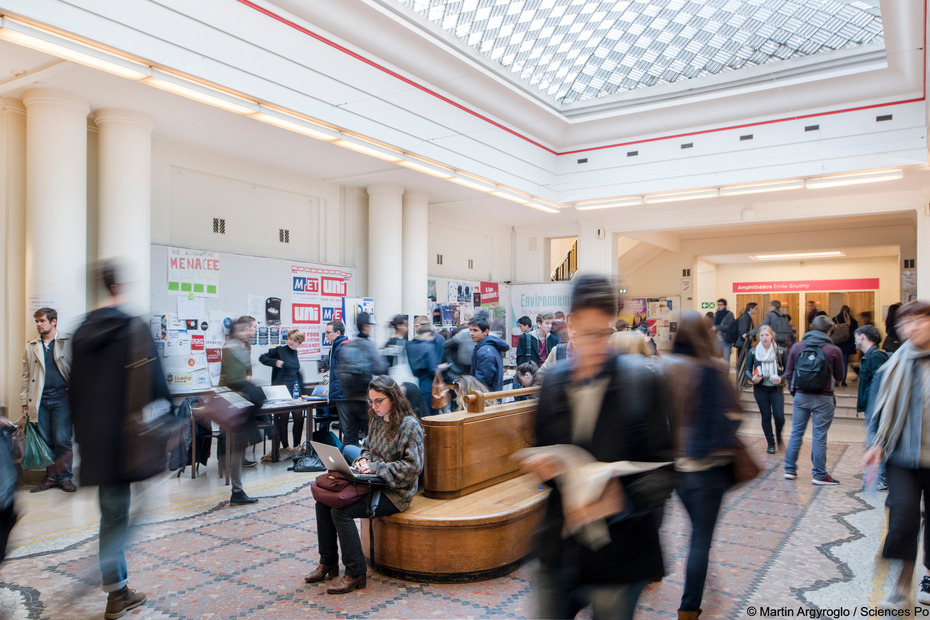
(365, 28)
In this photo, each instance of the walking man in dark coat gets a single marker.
(112, 352)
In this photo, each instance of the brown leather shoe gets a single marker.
(322, 572)
(122, 601)
(347, 583)
(45, 486)
(68, 487)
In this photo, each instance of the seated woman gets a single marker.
(285, 370)
(394, 452)
(465, 385)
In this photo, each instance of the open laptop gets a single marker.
(333, 460)
(275, 393)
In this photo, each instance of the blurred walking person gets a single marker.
(708, 416)
(766, 371)
(842, 337)
(873, 358)
(586, 401)
(897, 413)
(236, 374)
(116, 374)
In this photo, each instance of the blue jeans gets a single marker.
(819, 409)
(701, 492)
(114, 532)
(55, 429)
(725, 350)
(558, 600)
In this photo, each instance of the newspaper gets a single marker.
(589, 488)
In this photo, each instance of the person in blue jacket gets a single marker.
(487, 365)
(423, 357)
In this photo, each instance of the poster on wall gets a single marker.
(195, 272)
(317, 295)
(497, 314)
(532, 299)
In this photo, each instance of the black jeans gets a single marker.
(905, 487)
(771, 401)
(702, 493)
(339, 523)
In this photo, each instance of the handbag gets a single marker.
(228, 409)
(36, 453)
(335, 490)
(744, 467)
(441, 397)
(840, 333)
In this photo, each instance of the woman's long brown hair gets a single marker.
(400, 406)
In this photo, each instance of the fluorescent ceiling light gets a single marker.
(203, 94)
(854, 179)
(758, 188)
(64, 47)
(297, 125)
(676, 196)
(511, 197)
(632, 201)
(369, 150)
(472, 184)
(799, 255)
(436, 171)
(541, 207)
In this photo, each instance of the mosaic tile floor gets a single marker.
(778, 543)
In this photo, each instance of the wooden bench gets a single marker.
(483, 535)
(476, 516)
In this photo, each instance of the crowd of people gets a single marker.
(603, 389)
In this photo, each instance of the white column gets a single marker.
(415, 252)
(56, 201)
(923, 253)
(385, 256)
(125, 199)
(13, 213)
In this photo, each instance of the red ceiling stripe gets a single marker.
(459, 106)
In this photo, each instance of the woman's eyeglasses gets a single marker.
(377, 402)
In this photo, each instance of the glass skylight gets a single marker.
(579, 50)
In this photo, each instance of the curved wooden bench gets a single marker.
(480, 536)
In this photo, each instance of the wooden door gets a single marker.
(860, 301)
(745, 298)
(789, 306)
(821, 301)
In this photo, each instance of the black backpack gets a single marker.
(733, 333)
(811, 371)
(355, 368)
(783, 329)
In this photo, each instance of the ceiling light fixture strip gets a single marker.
(837, 180)
(68, 48)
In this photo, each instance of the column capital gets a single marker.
(120, 115)
(59, 97)
(386, 190)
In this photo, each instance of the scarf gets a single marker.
(768, 364)
(893, 401)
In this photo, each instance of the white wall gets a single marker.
(460, 238)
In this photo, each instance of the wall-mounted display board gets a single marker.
(190, 324)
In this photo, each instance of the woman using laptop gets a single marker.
(394, 452)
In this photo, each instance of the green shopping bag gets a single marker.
(36, 453)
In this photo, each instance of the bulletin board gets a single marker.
(190, 323)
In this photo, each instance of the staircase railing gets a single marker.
(568, 266)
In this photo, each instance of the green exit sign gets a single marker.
(708, 305)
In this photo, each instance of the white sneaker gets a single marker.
(790, 475)
(923, 594)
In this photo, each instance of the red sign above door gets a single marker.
(792, 286)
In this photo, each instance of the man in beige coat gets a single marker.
(44, 393)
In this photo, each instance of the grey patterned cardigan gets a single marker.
(396, 460)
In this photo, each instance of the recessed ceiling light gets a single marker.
(799, 255)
